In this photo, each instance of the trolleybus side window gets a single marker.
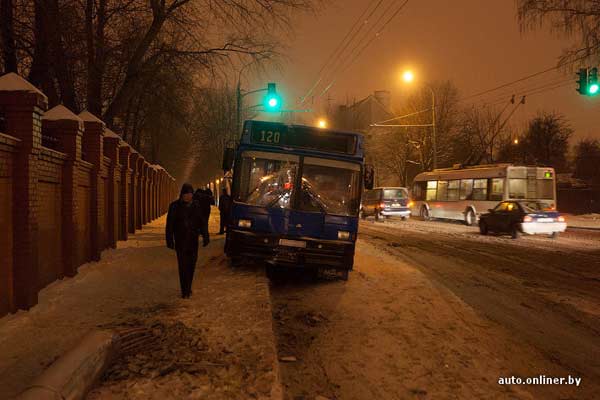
(442, 190)
(453, 188)
(480, 189)
(497, 189)
(419, 189)
(431, 190)
(466, 189)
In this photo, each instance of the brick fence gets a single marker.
(69, 188)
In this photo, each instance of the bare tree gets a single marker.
(577, 19)
(7, 34)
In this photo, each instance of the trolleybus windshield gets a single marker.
(327, 186)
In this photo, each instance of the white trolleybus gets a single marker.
(463, 193)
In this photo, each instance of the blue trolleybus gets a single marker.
(296, 195)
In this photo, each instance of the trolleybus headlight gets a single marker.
(244, 223)
(343, 235)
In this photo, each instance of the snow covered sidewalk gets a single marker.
(220, 343)
(586, 221)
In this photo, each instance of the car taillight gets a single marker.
(561, 219)
(527, 218)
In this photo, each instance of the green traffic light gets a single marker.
(593, 89)
(273, 102)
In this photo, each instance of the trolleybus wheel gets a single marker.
(470, 217)
(269, 271)
(344, 275)
(235, 261)
(425, 214)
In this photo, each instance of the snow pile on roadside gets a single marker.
(584, 220)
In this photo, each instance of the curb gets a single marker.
(264, 296)
(582, 228)
(73, 375)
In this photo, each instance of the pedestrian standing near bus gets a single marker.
(224, 210)
(185, 224)
(205, 200)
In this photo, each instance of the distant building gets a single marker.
(359, 116)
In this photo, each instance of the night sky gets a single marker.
(476, 44)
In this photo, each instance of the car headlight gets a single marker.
(244, 223)
(343, 235)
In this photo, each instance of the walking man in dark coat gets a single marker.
(224, 210)
(184, 225)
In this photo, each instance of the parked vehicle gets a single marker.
(385, 202)
(296, 196)
(516, 217)
(463, 193)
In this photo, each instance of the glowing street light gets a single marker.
(322, 123)
(516, 141)
(408, 76)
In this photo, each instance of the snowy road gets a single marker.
(434, 310)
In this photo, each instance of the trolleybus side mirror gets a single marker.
(228, 156)
(369, 177)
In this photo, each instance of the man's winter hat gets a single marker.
(186, 188)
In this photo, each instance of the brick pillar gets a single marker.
(144, 191)
(159, 192)
(163, 194)
(124, 224)
(23, 105)
(147, 194)
(111, 150)
(154, 192)
(138, 193)
(93, 147)
(134, 204)
(68, 129)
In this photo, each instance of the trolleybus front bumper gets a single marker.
(291, 251)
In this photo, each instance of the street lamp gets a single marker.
(408, 77)
(322, 123)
